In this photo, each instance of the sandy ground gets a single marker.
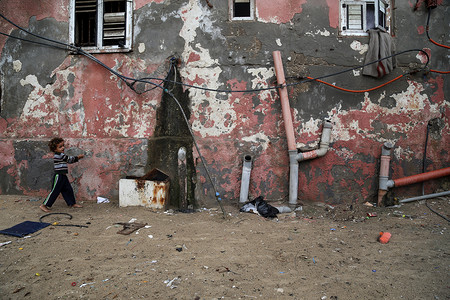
(322, 252)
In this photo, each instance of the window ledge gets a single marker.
(96, 50)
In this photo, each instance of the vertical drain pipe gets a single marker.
(182, 175)
(245, 181)
(289, 127)
(384, 172)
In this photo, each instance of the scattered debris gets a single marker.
(172, 283)
(18, 290)
(5, 243)
(102, 200)
(384, 237)
(85, 284)
(130, 227)
(261, 207)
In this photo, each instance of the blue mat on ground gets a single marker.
(24, 228)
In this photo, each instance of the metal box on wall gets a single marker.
(150, 190)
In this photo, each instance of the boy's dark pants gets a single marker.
(60, 185)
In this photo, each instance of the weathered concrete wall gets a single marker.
(48, 92)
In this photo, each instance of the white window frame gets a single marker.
(231, 11)
(380, 5)
(100, 48)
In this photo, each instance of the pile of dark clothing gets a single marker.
(261, 207)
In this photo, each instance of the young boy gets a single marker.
(60, 184)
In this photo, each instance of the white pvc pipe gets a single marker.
(245, 181)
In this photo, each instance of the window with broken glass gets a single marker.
(101, 25)
(241, 9)
(357, 17)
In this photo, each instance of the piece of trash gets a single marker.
(148, 226)
(150, 236)
(384, 237)
(18, 290)
(130, 227)
(74, 283)
(179, 248)
(314, 261)
(104, 280)
(129, 241)
(132, 220)
(37, 274)
(261, 207)
(372, 214)
(85, 284)
(368, 204)
(5, 243)
(20, 248)
(172, 283)
(333, 229)
(102, 200)
(374, 271)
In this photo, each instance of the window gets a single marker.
(241, 9)
(101, 25)
(359, 16)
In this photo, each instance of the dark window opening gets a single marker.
(114, 17)
(85, 23)
(370, 17)
(241, 9)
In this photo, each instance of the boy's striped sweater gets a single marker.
(60, 161)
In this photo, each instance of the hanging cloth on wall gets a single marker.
(380, 45)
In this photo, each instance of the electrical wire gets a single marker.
(428, 29)
(440, 72)
(131, 81)
(358, 91)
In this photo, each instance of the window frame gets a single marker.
(231, 11)
(100, 48)
(343, 9)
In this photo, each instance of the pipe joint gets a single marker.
(390, 184)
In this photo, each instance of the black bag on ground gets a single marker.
(264, 209)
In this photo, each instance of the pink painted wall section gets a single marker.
(57, 9)
(333, 13)
(282, 12)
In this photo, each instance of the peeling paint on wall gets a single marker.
(99, 115)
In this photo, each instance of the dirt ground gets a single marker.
(322, 252)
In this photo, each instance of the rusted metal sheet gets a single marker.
(150, 190)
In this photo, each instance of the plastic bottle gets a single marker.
(384, 237)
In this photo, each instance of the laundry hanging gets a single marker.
(380, 45)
